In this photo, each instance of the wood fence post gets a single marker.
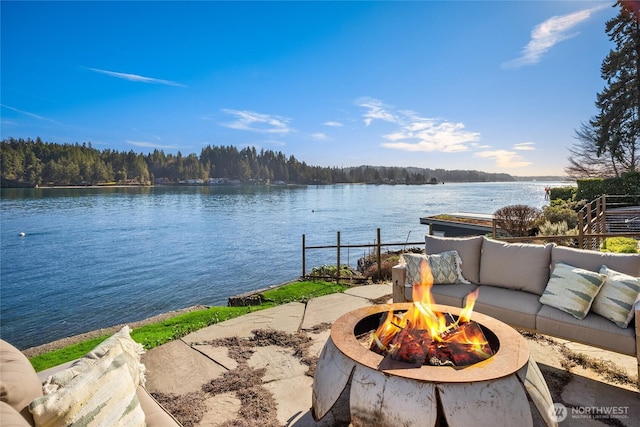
(338, 261)
(379, 257)
(304, 251)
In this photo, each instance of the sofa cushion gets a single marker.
(519, 266)
(98, 389)
(516, 308)
(9, 417)
(592, 329)
(452, 295)
(617, 297)
(572, 289)
(468, 249)
(445, 267)
(593, 260)
(19, 383)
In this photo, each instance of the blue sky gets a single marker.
(494, 86)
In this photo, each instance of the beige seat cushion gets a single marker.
(592, 329)
(519, 266)
(593, 260)
(452, 295)
(468, 249)
(516, 308)
(19, 383)
(9, 417)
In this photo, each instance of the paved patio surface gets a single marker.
(178, 370)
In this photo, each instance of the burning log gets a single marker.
(424, 336)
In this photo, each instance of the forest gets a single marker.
(30, 163)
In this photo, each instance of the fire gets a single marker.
(427, 336)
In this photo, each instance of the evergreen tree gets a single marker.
(614, 133)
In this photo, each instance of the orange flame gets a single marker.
(421, 316)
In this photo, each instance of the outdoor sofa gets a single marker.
(584, 296)
(105, 387)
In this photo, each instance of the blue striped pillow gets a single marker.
(617, 297)
(572, 289)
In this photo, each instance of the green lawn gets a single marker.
(156, 334)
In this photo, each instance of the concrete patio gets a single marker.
(280, 386)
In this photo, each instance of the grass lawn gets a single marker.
(156, 334)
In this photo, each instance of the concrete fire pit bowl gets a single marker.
(355, 385)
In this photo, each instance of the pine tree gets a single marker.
(614, 133)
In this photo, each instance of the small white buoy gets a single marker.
(22, 234)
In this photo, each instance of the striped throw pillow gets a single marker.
(617, 297)
(97, 390)
(572, 289)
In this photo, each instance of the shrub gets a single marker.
(560, 212)
(626, 245)
(563, 193)
(517, 220)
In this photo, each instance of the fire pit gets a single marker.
(353, 384)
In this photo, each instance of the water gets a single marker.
(93, 258)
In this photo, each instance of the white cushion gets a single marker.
(572, 289)
(97, 390)
(617, 297)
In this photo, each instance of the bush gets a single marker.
(560, 212)
(625, 245)
(517, 220)
(563, 193)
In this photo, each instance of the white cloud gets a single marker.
(146, 144)
(27, 113)
(416, 133)
(257, 122)
(504, 158)
(333, 124)
(525, 146)
(136, 77)
(319, 136)
(376, 111)
(549, 33)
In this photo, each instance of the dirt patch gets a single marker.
(258, 406)
(188, 408)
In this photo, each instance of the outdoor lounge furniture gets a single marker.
(579, 295)
(106, 385)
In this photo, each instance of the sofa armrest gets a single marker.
(398, 278)
(636, 308)
(155, 414)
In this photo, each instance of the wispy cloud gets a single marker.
(333, 124)
(549, 33)
(504, 158)
(525, 146)
(319, 136)
(146, 144)
(136, 77)
(258, 122)
(416, 133)
(27, 113)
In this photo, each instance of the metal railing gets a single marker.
(377, 246)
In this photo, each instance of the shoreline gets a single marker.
(110, 330)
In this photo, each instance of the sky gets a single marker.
(495, 86)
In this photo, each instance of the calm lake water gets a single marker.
(93, 258)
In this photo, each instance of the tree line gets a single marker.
(28, 163)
